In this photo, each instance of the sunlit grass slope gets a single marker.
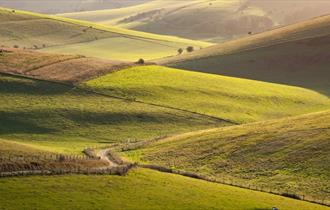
(8, 148)
(233, 99)
(67, 119)
(51, 33)
(290, 154)
(141, 189)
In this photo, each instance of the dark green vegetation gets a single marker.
(294, 55)
(290, 154)
(66, 118)
(140, 190)
(233, 99)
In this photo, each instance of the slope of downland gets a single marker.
(62, 35)
(67, 119)
(233, 99)
(140, 189)
(288, 155)
(198, 19)
(55, 67)
(295, 55)
(217, 20)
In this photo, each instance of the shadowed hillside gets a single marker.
(295, 55)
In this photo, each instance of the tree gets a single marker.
(140, 61)
(190, 49)
(180, 51)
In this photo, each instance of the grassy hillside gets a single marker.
(198, 19)
(290, 154)
(233, 99)
(67, 120)
(215, 20)
(11, 147)
(55, 34)
(55, 67)
(141, 189)
(294, 55)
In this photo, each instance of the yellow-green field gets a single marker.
(232, 99)
(51, 33)
(139, 190)
(288, 155)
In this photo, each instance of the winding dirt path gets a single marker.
(104, 155)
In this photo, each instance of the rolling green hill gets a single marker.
(139, 190)
(215, 20)
(290, 154)
(62, 35)
(293, 55)
(65, 119)
(236, 100)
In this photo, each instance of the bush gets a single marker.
(180, 51)
(190, 49)
(290, 195)
(16, 46)
(140, 61)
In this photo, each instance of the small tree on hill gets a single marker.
(140, 61)
(190, 49)
(180, 51)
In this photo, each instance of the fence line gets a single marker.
(46, 157)
(116, 170)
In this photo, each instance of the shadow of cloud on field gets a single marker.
(60, 120)
(15, 85)
(18, 123)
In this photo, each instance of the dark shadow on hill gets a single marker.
(15, 85)
(20, 122)
(302, 63)
(67, 120)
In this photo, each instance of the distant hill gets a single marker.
(61, 35)
(290, 154)
(211, 20)
(61, 6)
(296, 55)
